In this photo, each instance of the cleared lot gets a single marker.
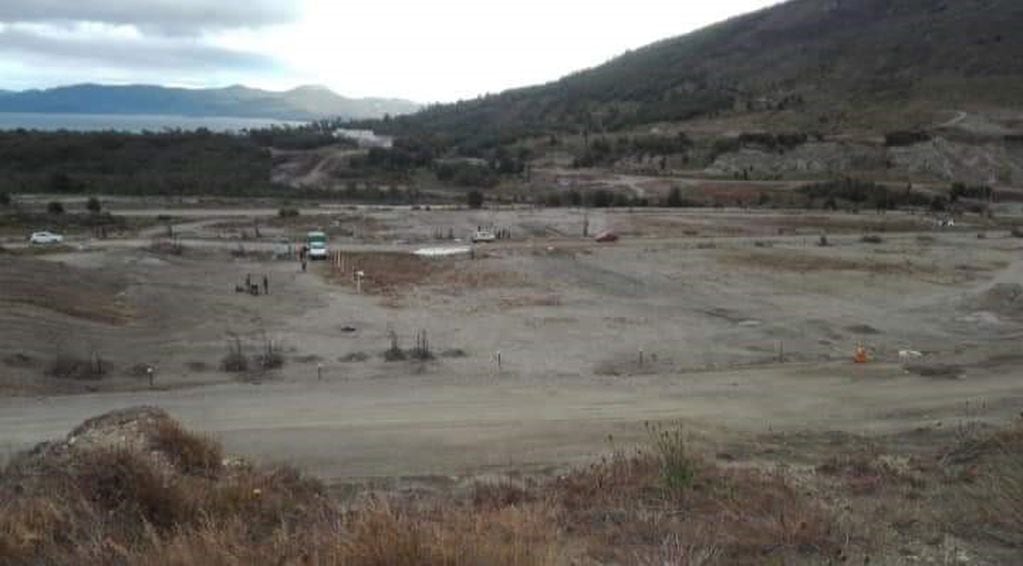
(738, 323)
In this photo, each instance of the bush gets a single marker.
(903, 138)
(354, 357)
(678, 466)
(977, 192)
(93, 205)
(55, 207)
(862, 192)
(288, 212)
(192, 454)
(66, 366)
(474, 199)
(394, 353)
(271, 358)
(5, 199)
(1016, 232)
(125, 483)
(422, 350)
(674, 198)
(235, 360)
(872, 239)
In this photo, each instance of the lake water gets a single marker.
(130, 122)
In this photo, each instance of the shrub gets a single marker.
(354, 357)
(93, 205)
(872, 239)
(192, 454)
(288, 212)
(678, 466)
(66, 366)
(474, 199)
(394, 353)
(674, 198)
(55, 207)
(1016, 232)
(903, 138)
(862, 193)
(422, 350)
(235, 360)
(271, 358)
(5, 199)
(125, 483)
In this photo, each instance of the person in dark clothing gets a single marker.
(266, 285)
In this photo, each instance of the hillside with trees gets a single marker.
(828, 63)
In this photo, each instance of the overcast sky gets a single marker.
(423, 50)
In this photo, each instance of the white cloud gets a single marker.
(439, 50)
(448, 49)
(167, 16)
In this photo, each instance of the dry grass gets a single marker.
(173, 502)
(786, 260)
(988, 488)
(87, 294)
(154, 493)
(386, 272)
(192, 454)
(395, 273)
(529, 300)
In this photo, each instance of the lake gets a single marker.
(131, 122)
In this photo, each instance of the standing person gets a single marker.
(303, 265)
(266, 285)
(248, 281)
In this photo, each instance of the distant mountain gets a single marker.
(303, 103)
(814, 63)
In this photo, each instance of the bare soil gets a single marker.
(712, 317)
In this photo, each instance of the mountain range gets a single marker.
(303, 103)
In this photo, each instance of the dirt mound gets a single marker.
(148, 431)
(1004, 299)
(121, 487)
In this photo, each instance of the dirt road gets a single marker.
(449, 426)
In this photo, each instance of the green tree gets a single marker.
(55, 207)
(93, 205)
(475, 199)
(601, 198)
(674, 198)
(61, 183)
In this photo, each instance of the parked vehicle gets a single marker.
(605, 237)
(283, 249)
(45, 238)
(317, 242)
(483, 236)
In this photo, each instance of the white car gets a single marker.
(45, 238)
(483, 236)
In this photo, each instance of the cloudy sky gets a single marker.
(424, 50)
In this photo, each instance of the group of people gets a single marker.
(254, 288)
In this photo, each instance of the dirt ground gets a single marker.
(542, 345)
